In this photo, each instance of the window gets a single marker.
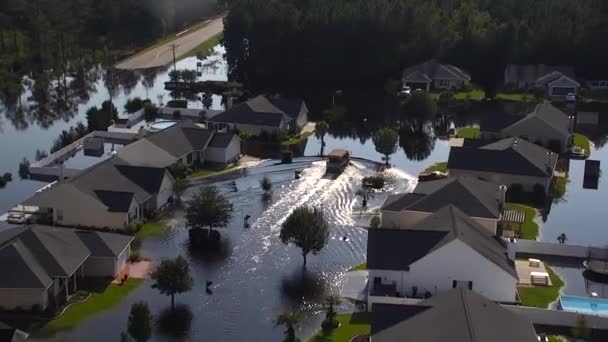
(444, 83)
(189, 158)
(59, 215)
(460, 284)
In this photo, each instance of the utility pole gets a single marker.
(174, 59)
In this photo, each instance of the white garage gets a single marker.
(224, 148)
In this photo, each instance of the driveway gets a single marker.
(163, 55)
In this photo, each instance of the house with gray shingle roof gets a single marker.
(435, 75)
(463, 316)
(511, 161)
(479, 199)
(557, 80)
(545, 125)
(445, 250)
(43, 265)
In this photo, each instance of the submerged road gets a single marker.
(163, 55)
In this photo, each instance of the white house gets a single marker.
(434, 75)
(512, 162)
(480, 200)
(262, 114)
(224, 148)
(443, 251)
(43, 265)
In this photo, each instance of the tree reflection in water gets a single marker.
(417, 140)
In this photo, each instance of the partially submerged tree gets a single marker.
(207, 209)
(330, 315)
(385, 140)
(140, 322)
(289, 320)
(376, 222)
(320, 131)
(306, 228)
(365, 194)
(266, 184)
(172, 277)
(179, 187)
(562, 238)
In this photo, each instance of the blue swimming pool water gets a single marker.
(160, 125)
(595, 306)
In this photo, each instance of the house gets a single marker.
(455, 315)
(43, 265)
(262, 114)
(224, 148)
(546, 126)
(557, 81)
(446, 250)
(511, 161)
(10, 334)
(112, 194)
(480, 200)
(434, 75)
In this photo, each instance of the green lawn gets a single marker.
(541, 296)
(478, 95)
(441, 167)
(78, 313)
(152, 229)
(529, 229)
(361, 267)
(558, 187)
(522, 97)
(296, 139)
(351, 325)
(204, 46)
(582, 142)
(468, 133)
(209, 172)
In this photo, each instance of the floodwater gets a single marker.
(255, 276)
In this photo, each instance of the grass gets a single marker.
(521, 97)
(351, 325)
(78, 313)
(541, 296)
(478, 95)
(209, 172)
(555, 339)
(582, 142)
(558, 187)
(205, 46)
(441, 167)
(296, 139)
(529, 229)
(468, 132)
(361, 267)
(152, 229)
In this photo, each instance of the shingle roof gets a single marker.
(496, 122)
(104, 244)
(433, 69)
(473, 196)
(148, 178)
(289, 106)
(259, 111)
(21, 269)
(396, 249)
(116, 201)
(509, 156)
(530, 73)
(221, 140)
(461, 314)
(181, 139)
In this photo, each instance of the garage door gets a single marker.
(562, 91)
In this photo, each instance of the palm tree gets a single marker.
(365, 194)
(289, 320)
(330, 316)
(320, 130)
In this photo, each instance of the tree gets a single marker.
(150, 112)
(385, 141)
(562, 238)
(330, 315)
(40, 154)
(306, 228)
(365, 194)
(24, 169)
(178, 170)
(419, 108)
(140, 322)
(133, 105)
(320, 131)
(375, 222)
(99, 119)
(179, 187)
(290, 320)
(266, 184)
(125, 337)
(207, 209)
(581, 328)
(172, 277)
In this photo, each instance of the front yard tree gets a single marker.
(207, 209)
(290, 320)
(140, 322)
(330, 315)
(172, 277)
(306, 228)
(386, 140)
(179, 187)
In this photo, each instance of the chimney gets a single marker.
(502, 197)
(511, 248)
(571, 124)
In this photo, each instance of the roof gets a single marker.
(531, 73)
(463, 315)
(222, 140)
(543, 117)
(145, 153)
(261, 111)
(397, 249)
(507, 156)
(33, 255)
(181, 139)
(116, 201)
(433, 69)
(340, 153)
(496, 122)
(475, 197)
(148, 178)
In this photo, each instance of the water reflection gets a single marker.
(304, 285)
(417, 141)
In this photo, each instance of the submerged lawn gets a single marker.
(541, 296)
(351, 325)
(529, 229)
(208, 172)
(98, 302)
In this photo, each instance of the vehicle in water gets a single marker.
(337, 161)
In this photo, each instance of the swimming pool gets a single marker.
(160, 125)
(588, 305)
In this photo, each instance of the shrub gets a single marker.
(132, 228)
(375, 182)
(446, 97)
(135, 256)
(287, 157)
(376, 222)
(177, 104)
(133, 105)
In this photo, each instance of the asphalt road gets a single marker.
(163, 55)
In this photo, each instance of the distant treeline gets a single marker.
(341, 43)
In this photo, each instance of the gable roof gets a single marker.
(148, 178)
(102, 244)
(397, 249)
(222, 140)
(475, 197)
(531, 73)
(289, 106)
(433, 69)
(116, 201)
(509, 156)
(144, 152)
(496, 122)
(21, 269)
(181, 139)
(258, 111)
(544, 117)
(464, 316)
